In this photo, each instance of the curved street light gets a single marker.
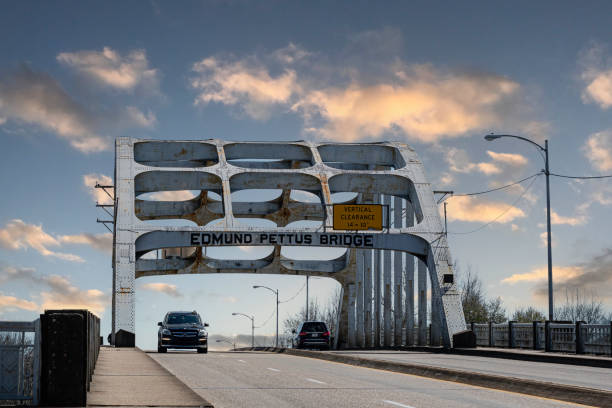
(252, 326)
(544, 149)
(275, 291)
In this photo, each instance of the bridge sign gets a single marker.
(358, 217)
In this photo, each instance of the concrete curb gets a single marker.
(568, 393)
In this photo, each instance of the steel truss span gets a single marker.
(303, 180)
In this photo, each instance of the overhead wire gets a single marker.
(581, 177)
(294, 296)
(501, 214)
(498, 188)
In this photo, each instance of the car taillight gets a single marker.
(302, 334)
(326, 334)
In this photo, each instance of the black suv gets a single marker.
(312, 335)
(182, 330)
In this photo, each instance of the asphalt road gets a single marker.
(590, 377)
(257, 379)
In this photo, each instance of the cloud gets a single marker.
(19, 235)
(138, 118)
(166, 288)
(98, 194)
(596, 74)
(179, 195)
(557, 219)
(515, 228)
(421, 103)
(511, 159)
(38, 99)
(9, 302)
(56, 292)
(544, 238)
(560, 273)
(459, 162)
(592, 276)
(364, 99)
(242, 82)
(598, 149)
(465, 208)
(109, 68)
(101, 242)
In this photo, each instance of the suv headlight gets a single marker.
(202, 333)
(166, 332)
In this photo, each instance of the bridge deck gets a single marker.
(129, 377)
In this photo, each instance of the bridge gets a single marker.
(387, 358)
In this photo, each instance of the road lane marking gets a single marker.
(242, 361)
(397, 404)
(315, 381)
(273, 369)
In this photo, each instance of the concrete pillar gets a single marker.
(435, 322)
(409, 283)
(377, 299)
(422, 299)
(352, 341)
(387, 299)
(397, 278)
(359, 314)
(367, 297)
(343, 324)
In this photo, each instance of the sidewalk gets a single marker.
(128, 377)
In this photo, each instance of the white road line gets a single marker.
(397, 404)
(273, 369)
(242, 361)
(315, 381)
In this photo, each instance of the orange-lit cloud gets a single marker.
(560, 273)
(511, 159)
(598, 149)
(597, 75)
(166, 288)
(101, 242)
(179, 195)
(418, 102)
(557, 219)
(20, 235)
(10, 302)
(465, 208)
(98, 194)
(110, 68)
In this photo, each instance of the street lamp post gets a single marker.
(252, 326)
(492, 137)
(276, 293)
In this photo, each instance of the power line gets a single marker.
(498, 188)
(268, 319)
(581, 177)
(294, 296)
(502, 213)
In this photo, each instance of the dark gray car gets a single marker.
(312, 335)
(182, 330)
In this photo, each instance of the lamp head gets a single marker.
(491, 137)
(234, 314)
(256, 286)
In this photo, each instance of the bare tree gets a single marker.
(527, 315)
(476, 307)
(578, 307)
(328, 314)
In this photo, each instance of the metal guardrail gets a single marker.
(579, 338)
(20, 361)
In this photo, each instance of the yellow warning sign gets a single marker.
(358, 217)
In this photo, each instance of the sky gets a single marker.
(436, 75)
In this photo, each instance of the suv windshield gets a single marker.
(314, 327)
(183, 318)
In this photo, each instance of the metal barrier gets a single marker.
(20, 361)
(576, 338)
(70, 347)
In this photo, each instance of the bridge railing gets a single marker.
(579, 338)
(19, 362)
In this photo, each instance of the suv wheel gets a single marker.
(203, 350)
